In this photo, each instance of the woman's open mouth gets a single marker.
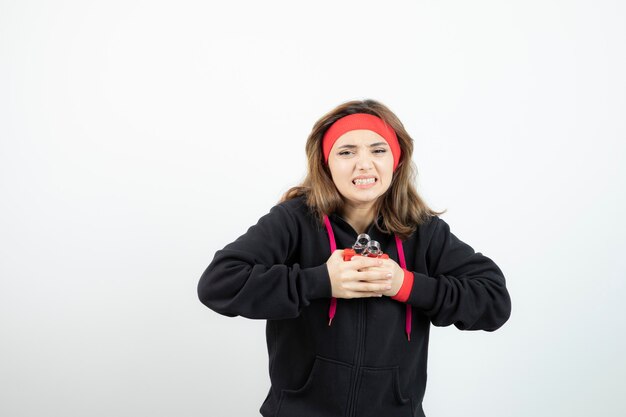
(364, 182)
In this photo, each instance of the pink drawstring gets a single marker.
(331, 310)
(400, 253)
(333, 248)
(331, 234)
(333, 301)
(409, 314)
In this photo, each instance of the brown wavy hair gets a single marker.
(401, 207)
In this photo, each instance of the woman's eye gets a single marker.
(380, 150)
(344, 153)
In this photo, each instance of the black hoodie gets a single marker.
(362, 365)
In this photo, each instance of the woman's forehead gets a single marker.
(360, 137)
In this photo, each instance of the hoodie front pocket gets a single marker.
(324, 393)
(380, 395)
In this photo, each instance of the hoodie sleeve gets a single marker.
(249, 276)
(465, 288)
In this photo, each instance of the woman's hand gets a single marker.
(360, 277)
(397, 275)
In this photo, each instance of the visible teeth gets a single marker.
(360, 181)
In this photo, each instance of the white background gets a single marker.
(139, 137)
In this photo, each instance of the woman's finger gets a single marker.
(380, 286)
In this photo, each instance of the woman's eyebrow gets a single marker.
(371, 146)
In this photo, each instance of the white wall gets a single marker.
(139, 137)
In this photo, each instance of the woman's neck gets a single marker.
(358, 217)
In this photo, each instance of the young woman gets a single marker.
(348, 336)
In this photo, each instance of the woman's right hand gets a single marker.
(348, 281)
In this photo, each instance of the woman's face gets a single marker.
(361, 165)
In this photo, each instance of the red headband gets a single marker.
(361, 121)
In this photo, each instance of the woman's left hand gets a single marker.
(397, 275)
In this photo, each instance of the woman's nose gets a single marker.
(364, 161)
